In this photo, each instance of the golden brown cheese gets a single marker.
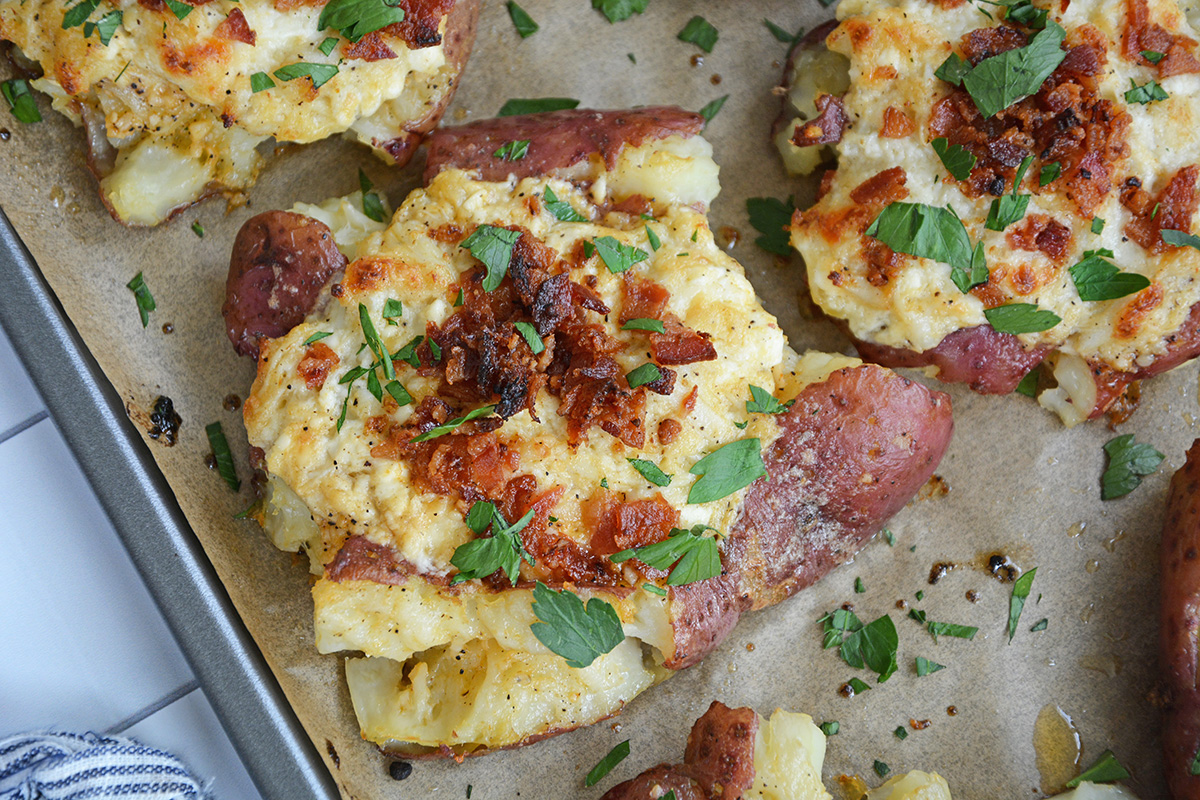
(174, 98)
(893, 48)
(460, 667)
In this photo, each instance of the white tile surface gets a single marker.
(18, 399)
(189, 729)
(83, 644)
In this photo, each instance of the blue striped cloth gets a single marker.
(72, 766)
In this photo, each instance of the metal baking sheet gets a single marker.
(134, 494)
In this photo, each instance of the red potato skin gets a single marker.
(280, 264)
(987, 361)
(1180, 625)
(558, 140)
(717, 765)
(814, 38)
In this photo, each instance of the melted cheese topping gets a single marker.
(175, 96)
(893, 47)
(460, 667)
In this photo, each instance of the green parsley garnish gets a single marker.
(260, 82)
(771, 218)
(318, 336)
(1098, 225)
(105, 28)
(957, 159)
(1146, 93)
(1016, 603)
(512, 151)
(494, 247)
(900, 733)
(617, 10)
(1106, 769)
(327, 44)
(372, 204)
(616, 256)
(561, 209)
(881, 768)
(393, 309)
(927, 667)
(1096, 278)
(319, 74)
(579, 633)
(700, 32)
(644, 324)
(77, 14)
(934, 233)
(890, 537)
(1128, 462)
(1009, 208)
(726, 470)
(953, 69)
(695, 556)
(398, 393)
(537, 105)
(1194, 768)
(221, 455)
(409, 352)
(997, 82)
(1040, 625)
(521, 20)
(354, 19)
(141, 294)
(1180, 239)
(198, 229)
(20, 100)
(653, 239)
(1153, 56)
(858, 686)
(614, 757)
(859, 588)
(1020, 318)
(763, 402)
(640, 376)
(447, 427)
(937, 629)
(1049, 173)
(830, 728)
(530, 335)
(1028, 384)
(179, 9)
(873, 646)
(503, 550)
(650, 471)
(781, 35)
(711, 109)
(1026, 13)
(652, 589)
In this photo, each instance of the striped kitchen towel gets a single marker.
(72, 766)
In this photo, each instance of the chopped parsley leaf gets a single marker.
(1040, 625)
(327, 45)
(512, 151)
(859, 588)
(937, 629)
(640, 376)
(561, 209)
(890, 537)
(781, 35)
(711, 109)
(953, 69)
(318, 336)
(644, 324)
(614, 757)
(447, 427)
(179, 9)
(695, 556)
(726, 470)
(653, 239)
(105, 28)
(1049, 173)
(997, 82)
(354, 19)
(141, 294)
(858, 686)
(617, 10)
(1016, 603)
(1146, 93)
(927, 667)
(830, 728)
(393, 309)
(771, 218)
(260, 82)
(1098, 225)
(1096, 278)
(957, 159)
(537, 105)
(521, 20)
(1020, 318)
(1105, 769)
(494, 247)
(1009, 208)
(198, 229)
(763, 402)
(221, 455)
(700, 32)
(20, 100)
(650, 471)
(503, 550)
(1028, 384)
(881, 768)
(1180, 239)
(1128, 462)
(319, 74)
(530, 334)
(935, 233)
(1153, 56)
(579, 633)
(77, 14)
(616, 256)
(652, 589)
(900, 733)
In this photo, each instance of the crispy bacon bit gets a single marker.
(827, 127)
(1141, 34)
(369, 48)
(882, 188)
(159, 5)
(1038, 232)
(360, 559)
(678, 344)
(668, 430)
(592, 388)
(883, 263)
(1172, 209)
(617, 524)
(896, 124)
(827, 179)
(422, 18)
(1066, 121)
(317, 364)
(235, 28)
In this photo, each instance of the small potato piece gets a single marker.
(1179, 626)
(280, 263)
